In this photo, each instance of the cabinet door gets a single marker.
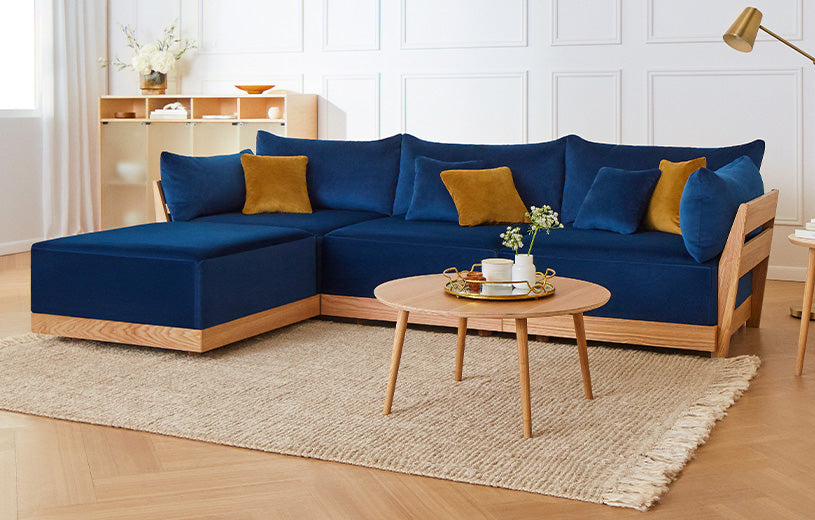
(215, 138)
(248, 132)
(172, 137)
(125, 190)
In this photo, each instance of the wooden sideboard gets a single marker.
(131, 146)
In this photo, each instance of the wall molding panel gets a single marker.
(351, 25)
(430, 24)
(571, 26)
(593, 116)
(218, 19)
(477, 108)
(350, 107)
(726, 105)
(682, 22)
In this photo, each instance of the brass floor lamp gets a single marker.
(741, 36)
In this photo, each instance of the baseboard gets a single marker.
(21, 246)
(787, 273)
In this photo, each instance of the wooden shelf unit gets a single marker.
(131, 147)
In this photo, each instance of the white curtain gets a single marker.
(73, 37)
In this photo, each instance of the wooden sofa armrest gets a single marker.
(160, 203)
(740, 257)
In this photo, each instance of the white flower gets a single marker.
(141, 64)
(512, 238)
(162, 61)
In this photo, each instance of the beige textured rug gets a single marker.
(316, 389)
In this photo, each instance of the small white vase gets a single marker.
(523, 271)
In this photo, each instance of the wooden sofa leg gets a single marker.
(757, 296)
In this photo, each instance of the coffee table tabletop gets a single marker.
(425, 294)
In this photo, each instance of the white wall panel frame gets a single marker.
(653, 37)
(521, 77)
(295, 45)
(785, 215)
(616, 77)
(373, 43)
(325, 122)
(519, 41)
(614, 40)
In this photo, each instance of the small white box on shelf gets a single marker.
(805, 233)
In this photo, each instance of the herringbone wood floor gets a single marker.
(758, 463)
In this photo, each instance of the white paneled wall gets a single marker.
(511, 71)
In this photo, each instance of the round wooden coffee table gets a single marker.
(425, 294)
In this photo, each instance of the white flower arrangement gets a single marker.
(153, 57)
(539, 218)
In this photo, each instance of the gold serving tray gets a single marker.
(458, 286)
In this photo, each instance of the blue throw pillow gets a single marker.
(617, 200)
(198, 186)
(431, 200)
(710, 202)
(357, 175)
(537, 168)
(585, 158)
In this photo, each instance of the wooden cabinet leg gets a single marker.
(582, 351)
(805, 309)
(396, 357)
(523, 372)
(462, 338)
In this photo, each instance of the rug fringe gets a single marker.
(650, 477)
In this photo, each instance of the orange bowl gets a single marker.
(254, 89)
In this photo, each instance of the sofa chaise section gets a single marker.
(179, 285)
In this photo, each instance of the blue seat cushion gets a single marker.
(585, 158)
(357, 175)
(537, 169)
(197, 186)
(355, 259)
(176, 274)
(319, 222)
(650, 275)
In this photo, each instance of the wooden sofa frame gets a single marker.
(739, 257)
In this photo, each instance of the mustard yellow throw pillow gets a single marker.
(275, 184)
(484, 196)
(663, 211)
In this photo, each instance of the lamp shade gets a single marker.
(742, 34)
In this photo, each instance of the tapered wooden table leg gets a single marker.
(462, 338)
(523, 372)
(807, 305)
(396, 356)
(582, 351)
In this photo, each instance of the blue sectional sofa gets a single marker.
(380, 212)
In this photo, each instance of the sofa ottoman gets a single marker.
(177, 285)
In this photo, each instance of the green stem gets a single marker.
(534, 234)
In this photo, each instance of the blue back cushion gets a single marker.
(343, 174)
(617, 200)
(537, 169)
(585, 158)
(431, 200)
(709, 204)
(198, 186)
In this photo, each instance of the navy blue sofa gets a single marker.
(220, 275)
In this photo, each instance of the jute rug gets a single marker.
(316, 389)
